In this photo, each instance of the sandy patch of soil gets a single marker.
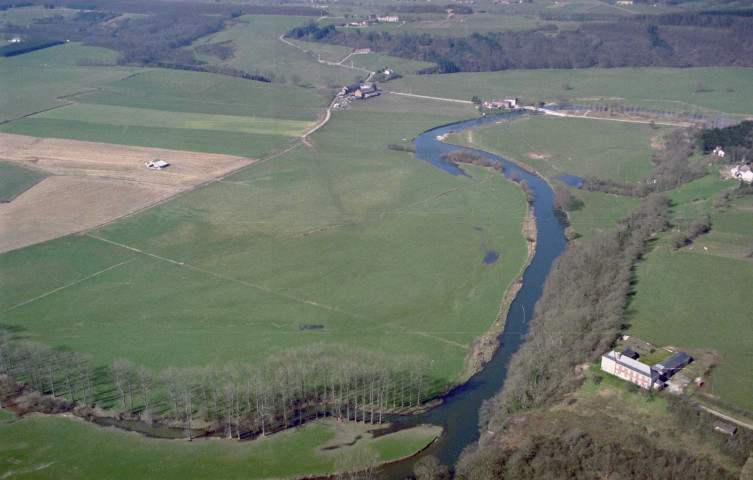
(95, 183)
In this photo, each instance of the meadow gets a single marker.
(727, 89)
(706, 308)
(161, 108)
(283, 245)
(40, 80)
(618, 151)
(257, 48)
(35, 447)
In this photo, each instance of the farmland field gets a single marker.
(161, 109)
(94, 183)
(14, 179)
(687, 298)
(705, 309)
(612, 150)
(728, 88)
(276, 243)
(257, 48)
(240, 242)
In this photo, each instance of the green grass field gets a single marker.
(35, 447)
(390, 262)
(161, 108)
(730, 88)
(691, 298)
(616, 151)
(258, 49)
(36, 81)
(384, 251)
(15, 179)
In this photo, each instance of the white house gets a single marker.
(629, 369)
(743, 172)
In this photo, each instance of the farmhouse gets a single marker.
(743, 172)
(156, 164)
(625, 365)
(629, 369)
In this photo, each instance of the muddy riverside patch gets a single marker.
(92, 184)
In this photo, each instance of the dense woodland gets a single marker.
(737, 142)
(239, 399)
(676, 40)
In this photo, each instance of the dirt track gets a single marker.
(94, 183)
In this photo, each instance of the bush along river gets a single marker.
(458, 412)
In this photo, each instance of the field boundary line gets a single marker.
(450, 342)
(269, 290)
(225, 277)
(430, 98)
(434, 197)
(276, 242)
(134, 249)
(70, 284)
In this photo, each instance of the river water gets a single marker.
(458, 413)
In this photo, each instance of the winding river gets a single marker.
(458, 413)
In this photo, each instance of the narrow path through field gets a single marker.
(70, 284)
(276, 242)
(228, 278)
(725, 417)
(442, 99)
(444, 340)
(433, 197)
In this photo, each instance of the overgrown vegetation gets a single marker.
(585, 455)
(687, 233)
(674, 167)
(580, 311)
(472, 158)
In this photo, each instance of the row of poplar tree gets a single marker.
(299, 384)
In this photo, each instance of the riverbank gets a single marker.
(484, 348)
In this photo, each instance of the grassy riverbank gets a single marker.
(35, 446)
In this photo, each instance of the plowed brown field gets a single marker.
(95, 183)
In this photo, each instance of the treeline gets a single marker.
(580, 312)
(472, 158)
(627, 43)
(674, 167)
(150, 7)
(156, 39)
(685, 234)
(26, 47)
(240, 399)
(737, 141)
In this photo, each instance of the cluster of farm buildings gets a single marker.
(358, 91)
(741, 171)
(508, 103)
(626, 366)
